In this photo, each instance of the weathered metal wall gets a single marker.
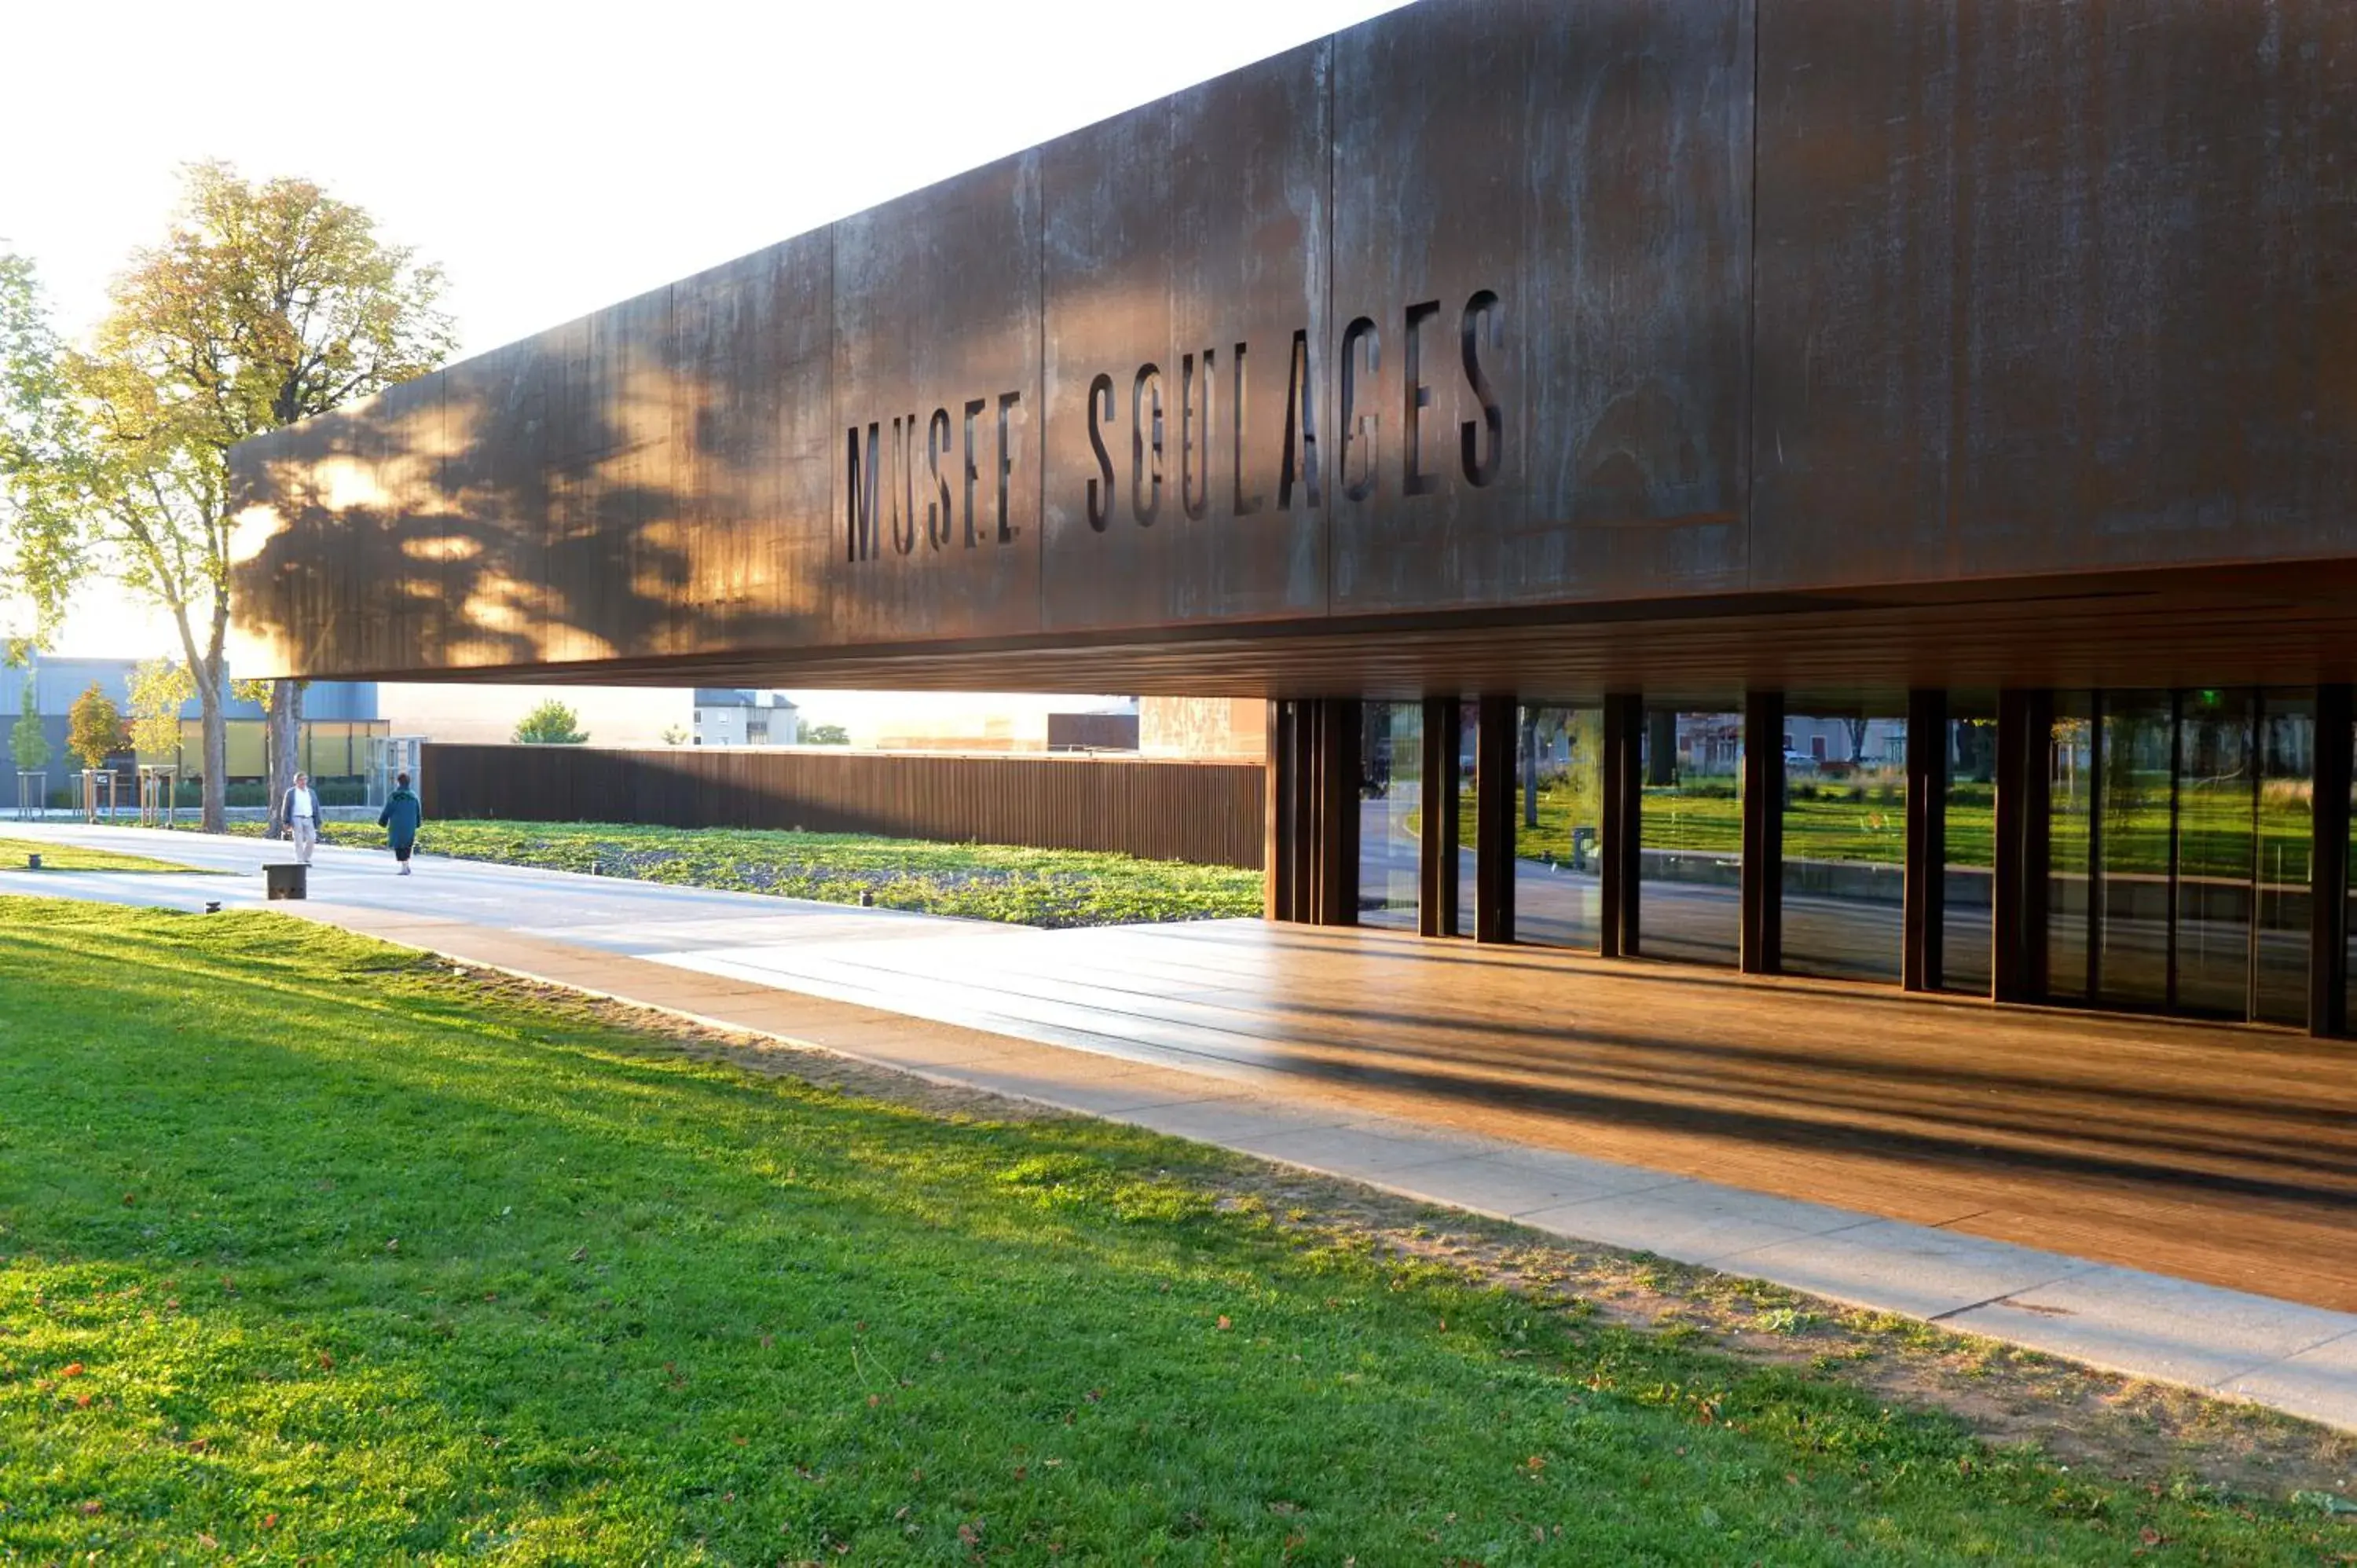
(1208, 812)
(2053, 287)
(1481, 306)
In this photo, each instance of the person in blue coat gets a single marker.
(400, 819)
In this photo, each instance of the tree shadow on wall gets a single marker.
(609, 492)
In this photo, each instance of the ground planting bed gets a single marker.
(984, 882)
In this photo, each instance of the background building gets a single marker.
(341, 728)
(726, 715)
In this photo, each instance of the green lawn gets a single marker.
(987, 882)
(67, 857)
(310, 1250)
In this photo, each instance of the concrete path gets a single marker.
(781, 967)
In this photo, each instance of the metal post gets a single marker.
(1436, 846)
(2025, 738)
(1922, 959)
(1762, 944)
(1282, 833)
(2328, 897)
(1493, 821)
(1624, 798)
(1337, 810)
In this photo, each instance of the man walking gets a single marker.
(300, 811)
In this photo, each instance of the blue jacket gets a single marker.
(400, 815)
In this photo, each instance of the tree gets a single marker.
(26, 742)
(673, 735)
(1857, 724)
(159, 688)
(551, 723)
(40, 445)
(94, 729)
(826, 735)
(266, 303)
(282, 736)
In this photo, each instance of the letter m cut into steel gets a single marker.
(859, 509)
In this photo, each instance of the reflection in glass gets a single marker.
(1391, 760)
(1968, 884)
(1558, 830)
(2133, 845)
(2216, 811)
(2070, 823)
(2197, 831)
(1845, 833)
(2285, 837)
(1469, 738)
(1691, 836)
(2348, 900)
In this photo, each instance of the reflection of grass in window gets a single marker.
(1833, 820)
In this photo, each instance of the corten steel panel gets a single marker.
(2048, 287)
(2042, 290)
(1175, 233)
(616, 553)
(493, 500)
(753, 362)
(344, 563)
(937, 325)
(1557, 194)
(404, 602)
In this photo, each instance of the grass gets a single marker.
(310, 1248)
(67, 857)
(987, 882)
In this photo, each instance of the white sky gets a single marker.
(557, 158)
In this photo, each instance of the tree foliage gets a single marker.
(826, 735)
(94, 729)
(551, 723)
(41, 452)
(265, 304)
(27, 744)
(160, 687)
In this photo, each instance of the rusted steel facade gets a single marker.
(1210, 813)
(1754, 321)
(1937, 362)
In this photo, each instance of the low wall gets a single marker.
(1211, 814)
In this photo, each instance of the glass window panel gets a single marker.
(2071, 792)
(1691, 836)
(1969, 883)
(2137, 744)
(1391, 753)
(2348, 900)
(1845, 833)
(1468, 736)
(2215, 816)
(1558, 827)
(2287, 762)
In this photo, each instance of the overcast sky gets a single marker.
(556, 158)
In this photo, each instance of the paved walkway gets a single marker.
(1319, 1049)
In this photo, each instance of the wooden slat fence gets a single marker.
(1208, 812)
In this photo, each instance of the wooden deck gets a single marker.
(2223, 1155)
